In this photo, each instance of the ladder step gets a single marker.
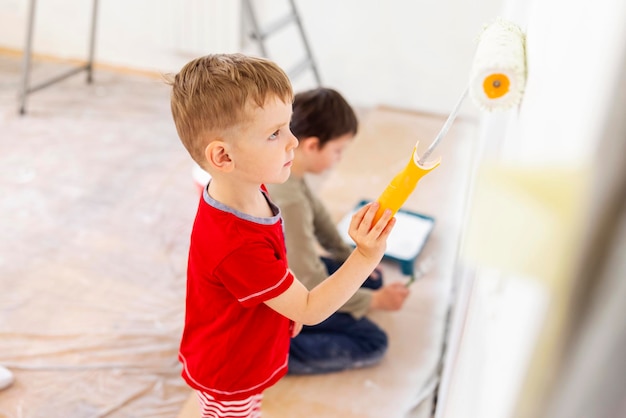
(298, 68)
(260, 35)
(275, 26)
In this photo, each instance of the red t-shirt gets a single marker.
(233, 345)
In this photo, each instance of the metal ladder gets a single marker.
(27, 88)
(262, 34)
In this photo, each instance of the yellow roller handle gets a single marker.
(405, 181)
(402, 185)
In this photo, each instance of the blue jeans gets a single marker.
(340, 342)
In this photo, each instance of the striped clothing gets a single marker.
(246, 408)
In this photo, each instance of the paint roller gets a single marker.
(497, 81)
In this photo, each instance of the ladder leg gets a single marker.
(261, 34)
(255, 27)
(305, 42)
(92, 41)
(26, 64)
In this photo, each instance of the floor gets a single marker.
(96, 204)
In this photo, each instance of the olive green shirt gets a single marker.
(308, 226)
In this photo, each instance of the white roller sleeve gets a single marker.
(500, 50)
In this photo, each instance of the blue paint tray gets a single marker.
(407, 238)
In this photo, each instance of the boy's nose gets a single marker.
(294, 141)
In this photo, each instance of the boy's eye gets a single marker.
(274, 135)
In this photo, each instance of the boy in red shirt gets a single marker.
(243, 304)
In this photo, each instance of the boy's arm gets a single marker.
(312, 307)
(303, 253)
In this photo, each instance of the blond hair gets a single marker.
(212, 94)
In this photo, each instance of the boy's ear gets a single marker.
(310, 143)
(216, 153)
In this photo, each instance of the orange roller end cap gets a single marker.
(496, 85)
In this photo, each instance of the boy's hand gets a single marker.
(296, 327)
(390, 297)
(371, 241)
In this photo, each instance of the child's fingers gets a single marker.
(360, 218)
(383, 223)
(388, 228)
(368, 218)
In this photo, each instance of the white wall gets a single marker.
(403, 53)
(532, 199)
(412, 54)
(158, 35)
(574, 53)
